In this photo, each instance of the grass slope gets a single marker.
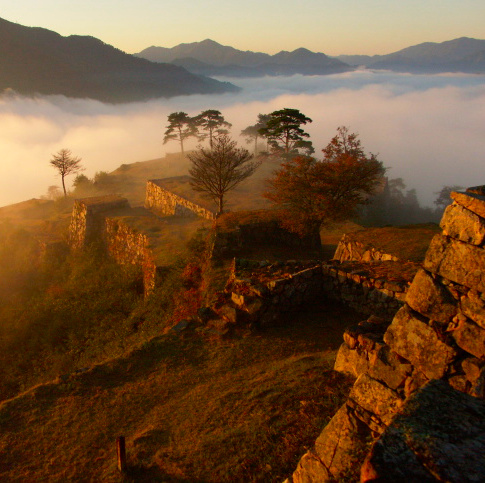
(191, 409)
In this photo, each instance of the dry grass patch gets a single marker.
(407, 242)
(191, 409)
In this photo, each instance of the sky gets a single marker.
(426, 129)
(331, 26)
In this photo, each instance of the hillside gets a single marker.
(85, 67)
(458, 55)
(211, 58)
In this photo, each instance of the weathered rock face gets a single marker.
(163, 202)
(420, 377)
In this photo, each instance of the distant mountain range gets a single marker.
(38, 61)
(458, 55)
(213, 59)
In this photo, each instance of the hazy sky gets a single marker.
(331, 26)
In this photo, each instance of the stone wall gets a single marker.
(261, 294)
(165, 203)
(129, 247)
(349, 249)
(359, 286)
(439, 334)
(87, 219)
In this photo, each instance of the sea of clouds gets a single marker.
(429, 130)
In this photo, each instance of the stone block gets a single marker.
(342, 444)
(429, 298)
(463, 224)
(375, 397)
(310, 468)
(438, 436)
(458, 261)
(470, 337)
(353, 362)
(472, 201)
(414, 340)
(473, 307)
(386, 366)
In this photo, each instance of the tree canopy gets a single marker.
(213, 123)
(309, 193)
(66, 164)
(180, 127)
(219, 169)
(284, 133)
(251, 133)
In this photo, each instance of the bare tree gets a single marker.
(66, 164)
(217, 170)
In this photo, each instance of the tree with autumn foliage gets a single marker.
(310, 193)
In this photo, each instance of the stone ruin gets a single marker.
(416, 411)
(162, 201)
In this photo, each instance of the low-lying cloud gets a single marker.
(428, 130)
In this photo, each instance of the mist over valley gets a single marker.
(428, 129)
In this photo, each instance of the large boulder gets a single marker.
(439, 435)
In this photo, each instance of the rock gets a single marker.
(429, 298)
(438, 436)
(238, 299)
(310, 469)
(473, 307)
(254, 307)
(472, 201)
(375, 397)
(414, 382)
(204, 314)
(458, 261)
(353, 362)
(386, 366)
(475, 374)
(463, 224)
(417, 342)
(342, 445)
(229, 313)
(470, 337)
(478, 190)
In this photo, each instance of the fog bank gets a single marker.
(427, 129)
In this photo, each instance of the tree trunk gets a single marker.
(221, 203)
(64, 187)
(182, 145)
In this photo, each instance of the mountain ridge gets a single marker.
(87, 67)
(211, 58)
(208, 57)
